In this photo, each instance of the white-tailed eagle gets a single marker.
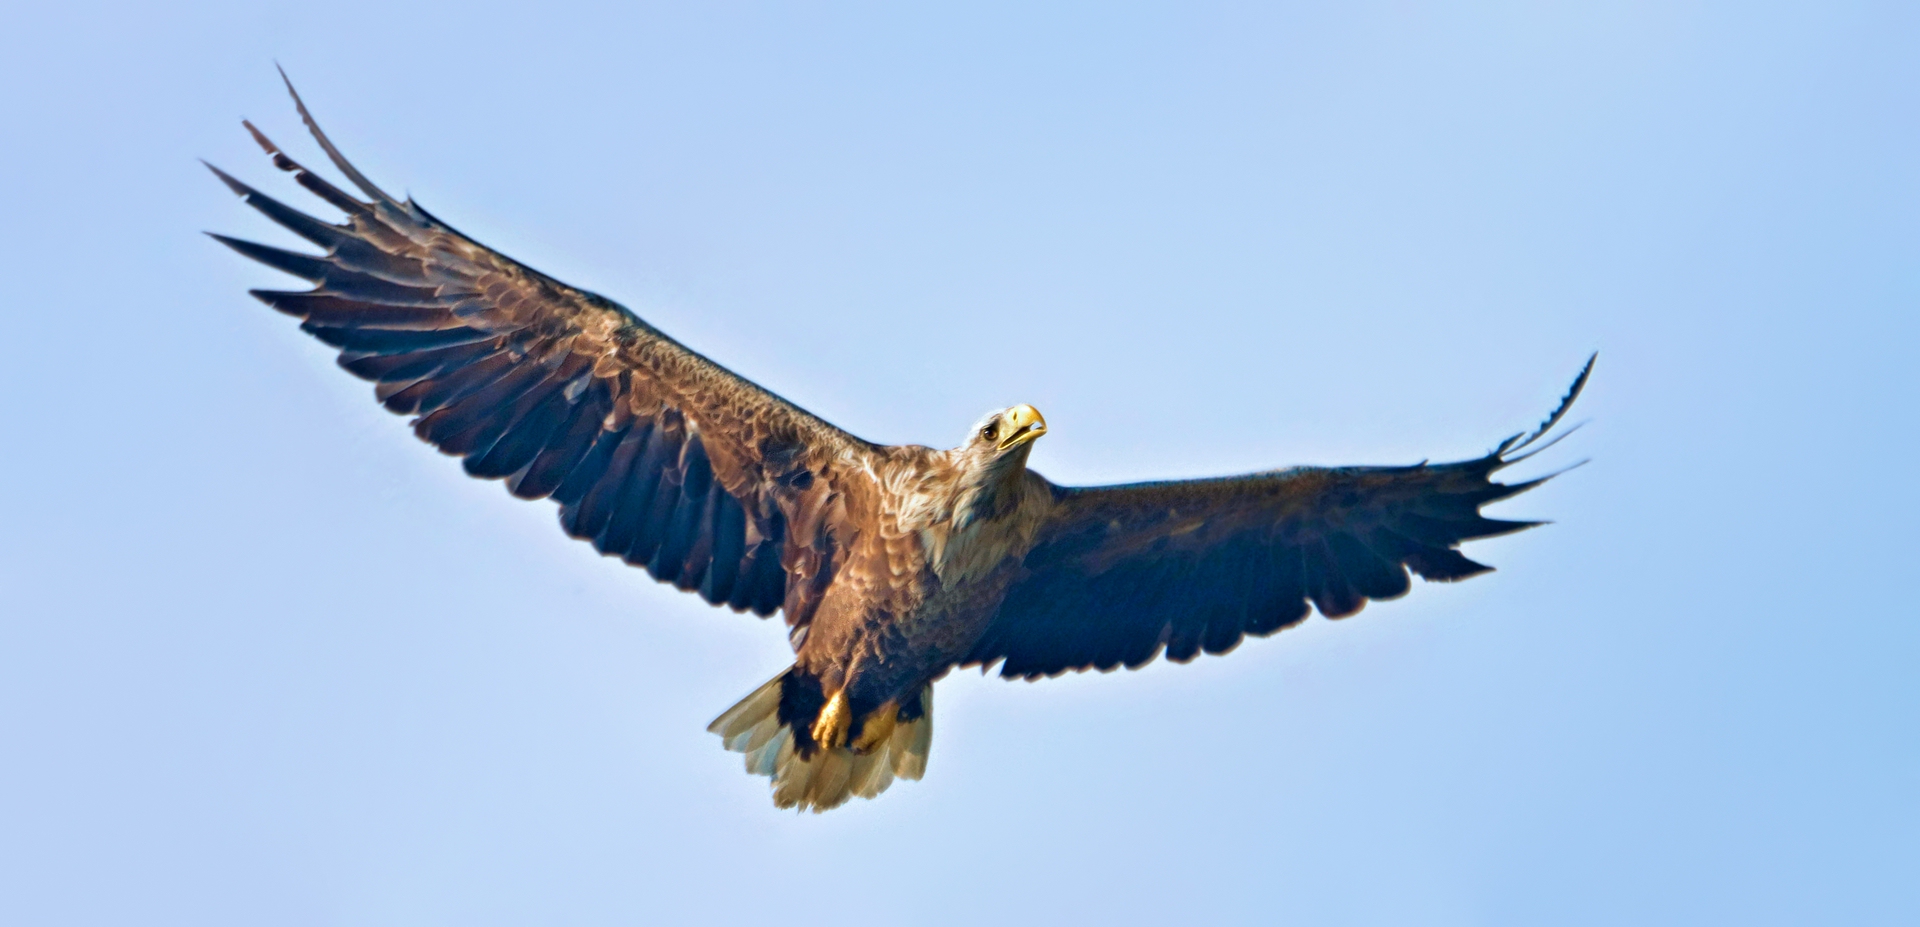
(892, 564)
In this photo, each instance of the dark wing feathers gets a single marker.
(655, 454)
(1120, 573)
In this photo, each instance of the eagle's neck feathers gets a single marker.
(971, 512)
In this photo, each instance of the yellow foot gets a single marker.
(830, 729)
(878, 728)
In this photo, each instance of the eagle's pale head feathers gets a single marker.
(999, 432)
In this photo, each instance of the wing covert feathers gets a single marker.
(1121, 574)
(655, 454)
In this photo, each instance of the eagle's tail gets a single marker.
(773, 727)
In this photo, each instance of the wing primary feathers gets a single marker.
(330, 311)
(301, 224)
(369, 341)
(1566, 402)
(409, 367)
(315, 184)
(304, 266)
(1481, 527)
(344, 248)
(1516, 458)
(339, 160)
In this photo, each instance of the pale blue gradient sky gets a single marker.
(266, 659)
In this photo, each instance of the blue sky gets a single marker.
(267, 659)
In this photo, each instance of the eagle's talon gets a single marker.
(830, 729)
(876, 730)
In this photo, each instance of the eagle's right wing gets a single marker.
(655, 454)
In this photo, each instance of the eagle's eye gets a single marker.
(988, 432)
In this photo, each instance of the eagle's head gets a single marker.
(986, 481)
(1004, 437)
(991, 461)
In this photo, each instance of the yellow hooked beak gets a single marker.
(1019, 425)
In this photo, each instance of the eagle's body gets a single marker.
(891, 564)
(913, 597)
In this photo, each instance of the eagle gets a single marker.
(892, 564)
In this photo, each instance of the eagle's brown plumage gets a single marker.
(892, 564)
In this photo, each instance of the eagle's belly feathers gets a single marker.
(912, 601)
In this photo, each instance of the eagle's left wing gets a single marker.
(1121, 572)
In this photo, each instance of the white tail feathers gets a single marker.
(829, 777)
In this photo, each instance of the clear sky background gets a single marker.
(266, 659)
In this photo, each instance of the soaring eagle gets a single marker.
(892, 564)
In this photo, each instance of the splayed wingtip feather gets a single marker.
(333, 154)
(1559, 412)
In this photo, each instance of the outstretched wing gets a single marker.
(1120, 572)
(655, 454)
